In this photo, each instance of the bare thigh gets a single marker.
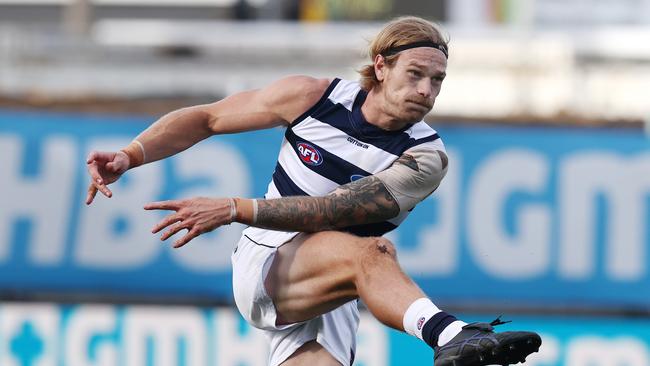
(316, 273)
(312, 354)
(313, 274)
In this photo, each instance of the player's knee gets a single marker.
(381, 247)
(386, 246)
(375, 255)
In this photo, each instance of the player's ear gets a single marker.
(380, 67)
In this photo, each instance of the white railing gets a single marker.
(495, 72)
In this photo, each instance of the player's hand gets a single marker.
(104, 168)
(198, 215)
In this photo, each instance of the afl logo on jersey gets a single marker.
(308, 154)
(354, 177)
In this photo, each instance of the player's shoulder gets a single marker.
(294, 94)
(304, 85)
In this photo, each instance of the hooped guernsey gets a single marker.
(332, 144)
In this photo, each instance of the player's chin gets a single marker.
(415, 114)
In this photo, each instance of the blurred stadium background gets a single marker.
(543, 216)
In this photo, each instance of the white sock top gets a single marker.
(450, 332)
(417, 315)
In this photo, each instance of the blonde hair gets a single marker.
(398, 32)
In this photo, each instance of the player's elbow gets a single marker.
(196, 120)
(444, 160)
(205, 118)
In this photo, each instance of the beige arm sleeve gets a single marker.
(415, 175)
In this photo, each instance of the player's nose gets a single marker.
(425, 89)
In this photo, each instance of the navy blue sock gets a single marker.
(434, 326)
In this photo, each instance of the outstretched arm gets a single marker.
(368, 200)
(276, 105)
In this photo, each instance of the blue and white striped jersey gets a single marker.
(332, 144)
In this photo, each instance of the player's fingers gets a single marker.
(173, 230)
(92, 156)
(99, 184)
(164, 205)
(166, 222)
(92, 191)
(185, 239)
(100, 156)
(97, 180)
(93, 170)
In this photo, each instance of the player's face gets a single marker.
(414, 82)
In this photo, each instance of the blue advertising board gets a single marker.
(74, 335)
(524, 216)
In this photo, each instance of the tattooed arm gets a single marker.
(363, 201)
(366, 200)
(376, 198)
(372, 199)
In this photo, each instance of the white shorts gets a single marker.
(335, 331)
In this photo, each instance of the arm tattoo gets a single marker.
(364, 201)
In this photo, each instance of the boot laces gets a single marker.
(487, 327)
(498, 321)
